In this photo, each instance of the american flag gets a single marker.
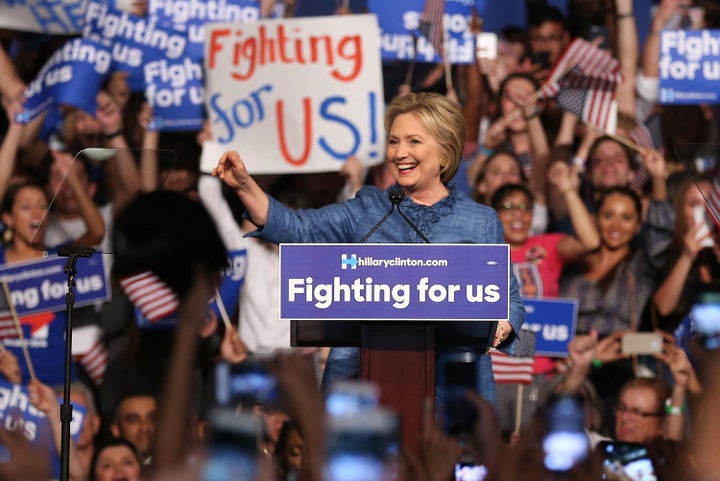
(431, 23)
(150, 295)
(588, 98)
(714, 201)
(646, 134)
(518, 368)
(585, 58)
(90, 351)
(509, 369)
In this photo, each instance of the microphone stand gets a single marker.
(72, 253)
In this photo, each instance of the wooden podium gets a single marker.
(398, 356)
(325, 293)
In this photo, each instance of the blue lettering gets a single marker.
(325, 114)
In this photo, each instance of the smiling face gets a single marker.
(26, 215)
(515, 213)
(610, 166)
(637, 416)
(694, 196)
(618, 221)
(501, 169)
(117, 463)
(414, 158)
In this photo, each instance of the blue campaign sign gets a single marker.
(133, 40)
(73, 75)
(458, 282)
(41, 286)
(174, 90)
(553, 320)
(689, 66)
(190, 17)
(402, 39)
(18, 414)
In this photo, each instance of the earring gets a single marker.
(7, 236)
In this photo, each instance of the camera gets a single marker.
(623, 460)
(566, 442)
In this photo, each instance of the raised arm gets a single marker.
(587, 238)
(109, 114)
(232, 171)
(149, 154)
(627, 40)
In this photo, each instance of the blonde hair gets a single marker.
(442, 118)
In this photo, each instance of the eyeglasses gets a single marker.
(622, 409)
(509, 207)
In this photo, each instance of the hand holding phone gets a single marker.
(623, 460)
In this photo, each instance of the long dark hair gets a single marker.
(170, 234)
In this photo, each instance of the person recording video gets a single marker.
(425, 134)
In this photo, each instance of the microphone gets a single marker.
(396, 196)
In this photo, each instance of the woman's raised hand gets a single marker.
(231, 170)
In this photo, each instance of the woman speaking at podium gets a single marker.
(425, 134)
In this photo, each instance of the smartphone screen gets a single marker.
(245, 384)
(566, 442)
(626, 461)
(470, 472)
(232, 447)
(352, 397)
(541, 59)
(705, 315)
(362, 447)
(459, 415)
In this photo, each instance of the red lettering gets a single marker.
(215, 45)
(307, 131)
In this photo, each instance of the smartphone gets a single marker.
(700, 218)
(467, 471)
(566, 442)
(458, 414)
(541, 59)
(622, 460)
(352, 397)
(245, 385)
(705, 315)
(641, 343)
(362, 447)
(486, 45)
(232, 446)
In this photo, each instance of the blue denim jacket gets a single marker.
(455, 219)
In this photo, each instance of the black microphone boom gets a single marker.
(396, 196)
(382, 221)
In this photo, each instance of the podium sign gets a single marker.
(395, 282)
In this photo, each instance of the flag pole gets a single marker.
(18, 328)
(446, 60)
(223, 311)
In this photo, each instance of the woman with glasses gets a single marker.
(537, 264)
